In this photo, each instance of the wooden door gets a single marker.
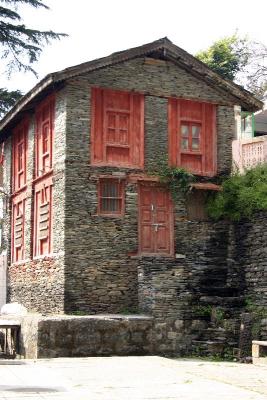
(155, 220)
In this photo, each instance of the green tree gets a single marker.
(227, 56)
(20, 45)
(8, 99)
(240, 60)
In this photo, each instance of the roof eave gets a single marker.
(244, 98)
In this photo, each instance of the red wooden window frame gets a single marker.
(201, 161)
(45, 115)
(111, 191)
(117, 128)
(43, 218)
(189, 137)
(19, 156)
(18, 228)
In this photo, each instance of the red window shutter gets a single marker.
(43, 218)
(19, 159)
(97, 125)
(137, 121)
(117, 128)
(192, 141)
(18, 228)
(210, 152)
(44, 137)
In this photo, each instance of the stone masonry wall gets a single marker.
(194, 302)
(251, 256)
(38, 283)
(101, 275)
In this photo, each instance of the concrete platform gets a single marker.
(131, 378)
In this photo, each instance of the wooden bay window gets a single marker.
(19, 156)
(117, 128)
(192, 136)
(44, 137)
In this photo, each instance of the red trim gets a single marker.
(206, 186)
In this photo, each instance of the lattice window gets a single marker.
(252, 154)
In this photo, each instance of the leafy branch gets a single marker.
(175, 178)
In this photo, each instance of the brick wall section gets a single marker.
(99, 274)
(39, 283)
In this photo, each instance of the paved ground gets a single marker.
(131, 378)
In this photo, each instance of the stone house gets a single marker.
(87, 228)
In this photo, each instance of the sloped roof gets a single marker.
(163, 49)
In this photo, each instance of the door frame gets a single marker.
(171, 219)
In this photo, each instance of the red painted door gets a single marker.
(155, 220)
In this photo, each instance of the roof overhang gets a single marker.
(162, 48)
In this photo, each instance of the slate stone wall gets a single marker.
(84, 336)
(38, 283)
(101, 276)
(251, 256)
(195, 303)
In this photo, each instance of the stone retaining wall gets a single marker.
(83, 336)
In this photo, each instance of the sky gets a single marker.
(97, 28)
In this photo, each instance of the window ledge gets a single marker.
(156, 255)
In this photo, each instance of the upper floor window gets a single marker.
(18, 227)
(43, 218)
(19, 159)
(117, 134)
(44, 137)
(192, 136)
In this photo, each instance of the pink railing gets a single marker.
(248, 153)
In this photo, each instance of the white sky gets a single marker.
(97, 28)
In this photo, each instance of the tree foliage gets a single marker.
(20, 45)
(239, 59)
(227, 56)
(8, 99)
(242, 195)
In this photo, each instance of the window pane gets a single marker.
(110, 205)
(195, 144)
(195, 131)
(110, 189)
(185, 130)
(185, 144)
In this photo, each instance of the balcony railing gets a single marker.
(247, 153)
